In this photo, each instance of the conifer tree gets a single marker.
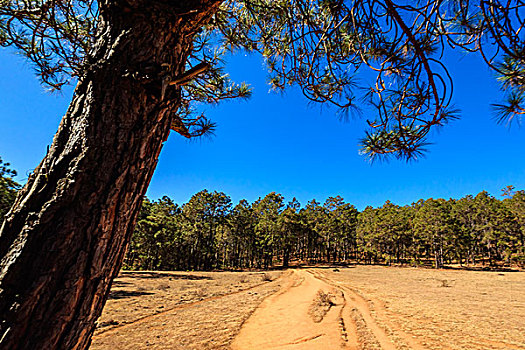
(8, 188)
(140, 67)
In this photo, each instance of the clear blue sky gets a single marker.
(280, 143)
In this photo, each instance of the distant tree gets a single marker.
(464, 213)
(207, 233)
(203, 215)
(433, 224)
(367, 235)
(347, 236)
(291, 227)
(516, 204)
(331, 228)
(8, 188)
(240, 241)
(508, 191)
(316, 219)
(488, 225)
(393, 231)
(267, 211)
(384, 233)
(157, 243)
(339, 228)
(138, 247)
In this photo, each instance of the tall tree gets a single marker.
(367, 228)
(433, 223)
(8, 188)
(465, 215)
(316, 219)
(157, 243)
(290, 229)
(339, 231)
(267, 211)
(203, 215)
(492, 223)
(138, 63)
(516, 204)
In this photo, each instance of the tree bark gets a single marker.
(64, 240)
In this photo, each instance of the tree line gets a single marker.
(209, 232)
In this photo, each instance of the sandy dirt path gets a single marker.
(288, 319)
(293, 318)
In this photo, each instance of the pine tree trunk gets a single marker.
(64, 240)
(286, 257)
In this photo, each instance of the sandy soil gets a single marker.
(180, 310)
(290, 319)
(364, 307)
(427, 309)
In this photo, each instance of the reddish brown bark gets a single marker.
(64, 240)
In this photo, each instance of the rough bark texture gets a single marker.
(64, 240)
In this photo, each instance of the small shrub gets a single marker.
(163, 286)
(445, 283)
(266, 277)
(200, 293)
(321, 305)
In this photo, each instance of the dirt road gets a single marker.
(286, 320)
(310, 312)
(327, 309)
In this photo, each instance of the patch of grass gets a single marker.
(163, 286)
(446, 283)
(321, 305)
(266, 277)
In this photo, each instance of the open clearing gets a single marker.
(362, 307)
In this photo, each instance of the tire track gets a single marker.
(348, 326)
(407, 338)
(359, 303)
(498, 344)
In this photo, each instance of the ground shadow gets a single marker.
(150, 274)
(324, 265)
(122, 294)
(117, 283)
(482, 268)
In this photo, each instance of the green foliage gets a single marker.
(516, 206)
(267, 211)
(433, 227)
(321, 46)
(207, 233)
(157, 234)
(8, 188)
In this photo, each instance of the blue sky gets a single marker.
(281, 143)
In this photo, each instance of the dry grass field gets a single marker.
(180, 310)
(373, 308)
(445, 309)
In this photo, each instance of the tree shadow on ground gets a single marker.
(170, 275)
(117, 283)
(122, 294)
(482, 268)
(323, 265)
